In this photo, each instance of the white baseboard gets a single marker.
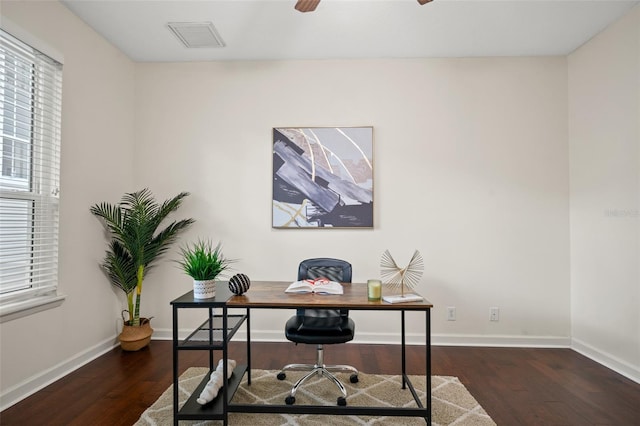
(619, 366)
(501, 341)
(31, 385)
(411, 339)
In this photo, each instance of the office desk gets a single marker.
(271, 295)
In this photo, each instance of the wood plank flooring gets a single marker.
(516, 386)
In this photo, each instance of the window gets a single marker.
(30, 109)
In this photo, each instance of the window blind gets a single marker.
(30, 108)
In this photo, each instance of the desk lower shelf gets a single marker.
(214, 410)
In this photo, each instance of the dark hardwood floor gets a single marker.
(516, 386)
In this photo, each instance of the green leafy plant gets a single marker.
(136, 240)
(202, 261)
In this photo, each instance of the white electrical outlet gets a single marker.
(494, 314)
(451, 313)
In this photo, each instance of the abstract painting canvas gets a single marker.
(322, 177)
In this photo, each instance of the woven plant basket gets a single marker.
(134, 338)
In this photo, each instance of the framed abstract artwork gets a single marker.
(322, 177)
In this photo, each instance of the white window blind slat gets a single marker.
(30, 129)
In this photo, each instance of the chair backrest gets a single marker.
(333, 269)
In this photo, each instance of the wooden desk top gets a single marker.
(270, 294)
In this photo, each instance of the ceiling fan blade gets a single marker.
(424, 1)
(307, 5)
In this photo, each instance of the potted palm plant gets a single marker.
(137, 243)
(204, 263)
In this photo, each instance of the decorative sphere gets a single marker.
(239, 284)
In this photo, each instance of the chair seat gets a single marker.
(320, 331)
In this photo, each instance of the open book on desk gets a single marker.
(319, 285)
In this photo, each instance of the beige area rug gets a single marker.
(452, 404)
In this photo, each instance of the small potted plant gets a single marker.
(204, 263)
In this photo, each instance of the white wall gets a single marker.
(604, 137)
(97, 146)
(470, 167)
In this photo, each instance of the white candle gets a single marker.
(374, 290)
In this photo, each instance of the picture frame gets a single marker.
(322, 177)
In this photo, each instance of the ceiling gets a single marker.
(273, 29)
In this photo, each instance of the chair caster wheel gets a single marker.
(354, 378)
(342, 401)
(290, 400)
(281, 376)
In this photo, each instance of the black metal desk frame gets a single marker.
(215, 333)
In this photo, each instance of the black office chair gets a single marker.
(321, 327)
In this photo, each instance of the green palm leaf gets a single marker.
(137, 242)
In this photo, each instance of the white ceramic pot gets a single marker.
(204, 289)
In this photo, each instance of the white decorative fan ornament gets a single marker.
(396, 277)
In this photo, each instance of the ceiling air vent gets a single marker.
(196, 34)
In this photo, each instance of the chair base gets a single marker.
(319, 368)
